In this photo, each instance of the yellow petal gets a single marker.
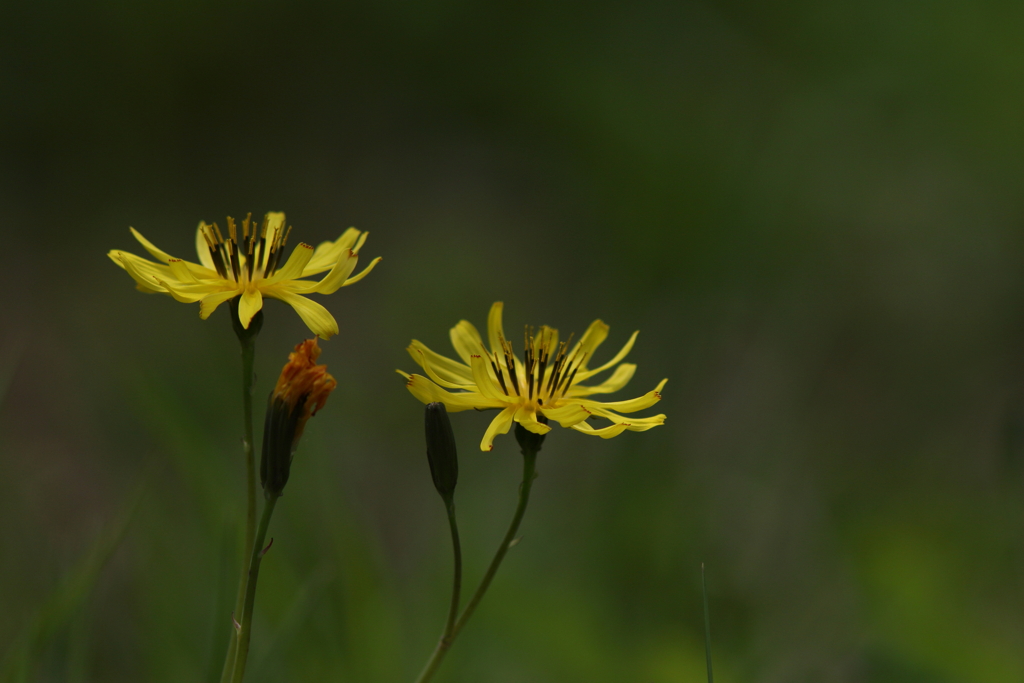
(209, 303)
(619, 379)
(528, 418)
(335, 279)
(203, 249)
(486, 383)
(454, 370)
(618, 357)
(499, 425)
(605, 432)
(158, 254)
(495, 331)
(644, 423)
(317, 318)
(328, 253)
(146, 273)
(591, 339)
(567, 415)
(183, 294)
(466, 341)
(365, 271)
(360, 242)
(630, 406)
(428, 392)
(443, 371)
(249, 305)
(293, 267)
(180, 271)
(115, 256)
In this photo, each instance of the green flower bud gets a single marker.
(441, 453)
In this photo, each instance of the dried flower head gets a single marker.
(301, 390)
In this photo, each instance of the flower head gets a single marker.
(301, 390)
(544, 385)
(248, 263)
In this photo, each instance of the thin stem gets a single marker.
(453, 609)
(245, 629)
(248, 378)
(529, 473)
(248, 343)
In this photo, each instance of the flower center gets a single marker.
(538, 377)
(247, 257)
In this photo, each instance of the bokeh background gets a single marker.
(812, 211)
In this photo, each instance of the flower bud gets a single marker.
(441, 453)
(301, 390)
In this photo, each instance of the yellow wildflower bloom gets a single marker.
(248, 264)
(544, 386)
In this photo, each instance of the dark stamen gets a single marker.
(283, 234)
(530, 360)
(218, 263)
(556, 369)
(545, 353)
(250, 261)
(510, 361)
(572, 375)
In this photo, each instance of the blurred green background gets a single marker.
(812, 211)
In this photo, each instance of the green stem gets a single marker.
(245, 629)
(529, 474)
(453, 610)
(247, 339)
(248, 378)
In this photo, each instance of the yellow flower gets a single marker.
(248, 264)
(544, 385)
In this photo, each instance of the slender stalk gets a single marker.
(529, 473)
(248, 378)
(245, 628)
(247, 339)
(453, 610)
